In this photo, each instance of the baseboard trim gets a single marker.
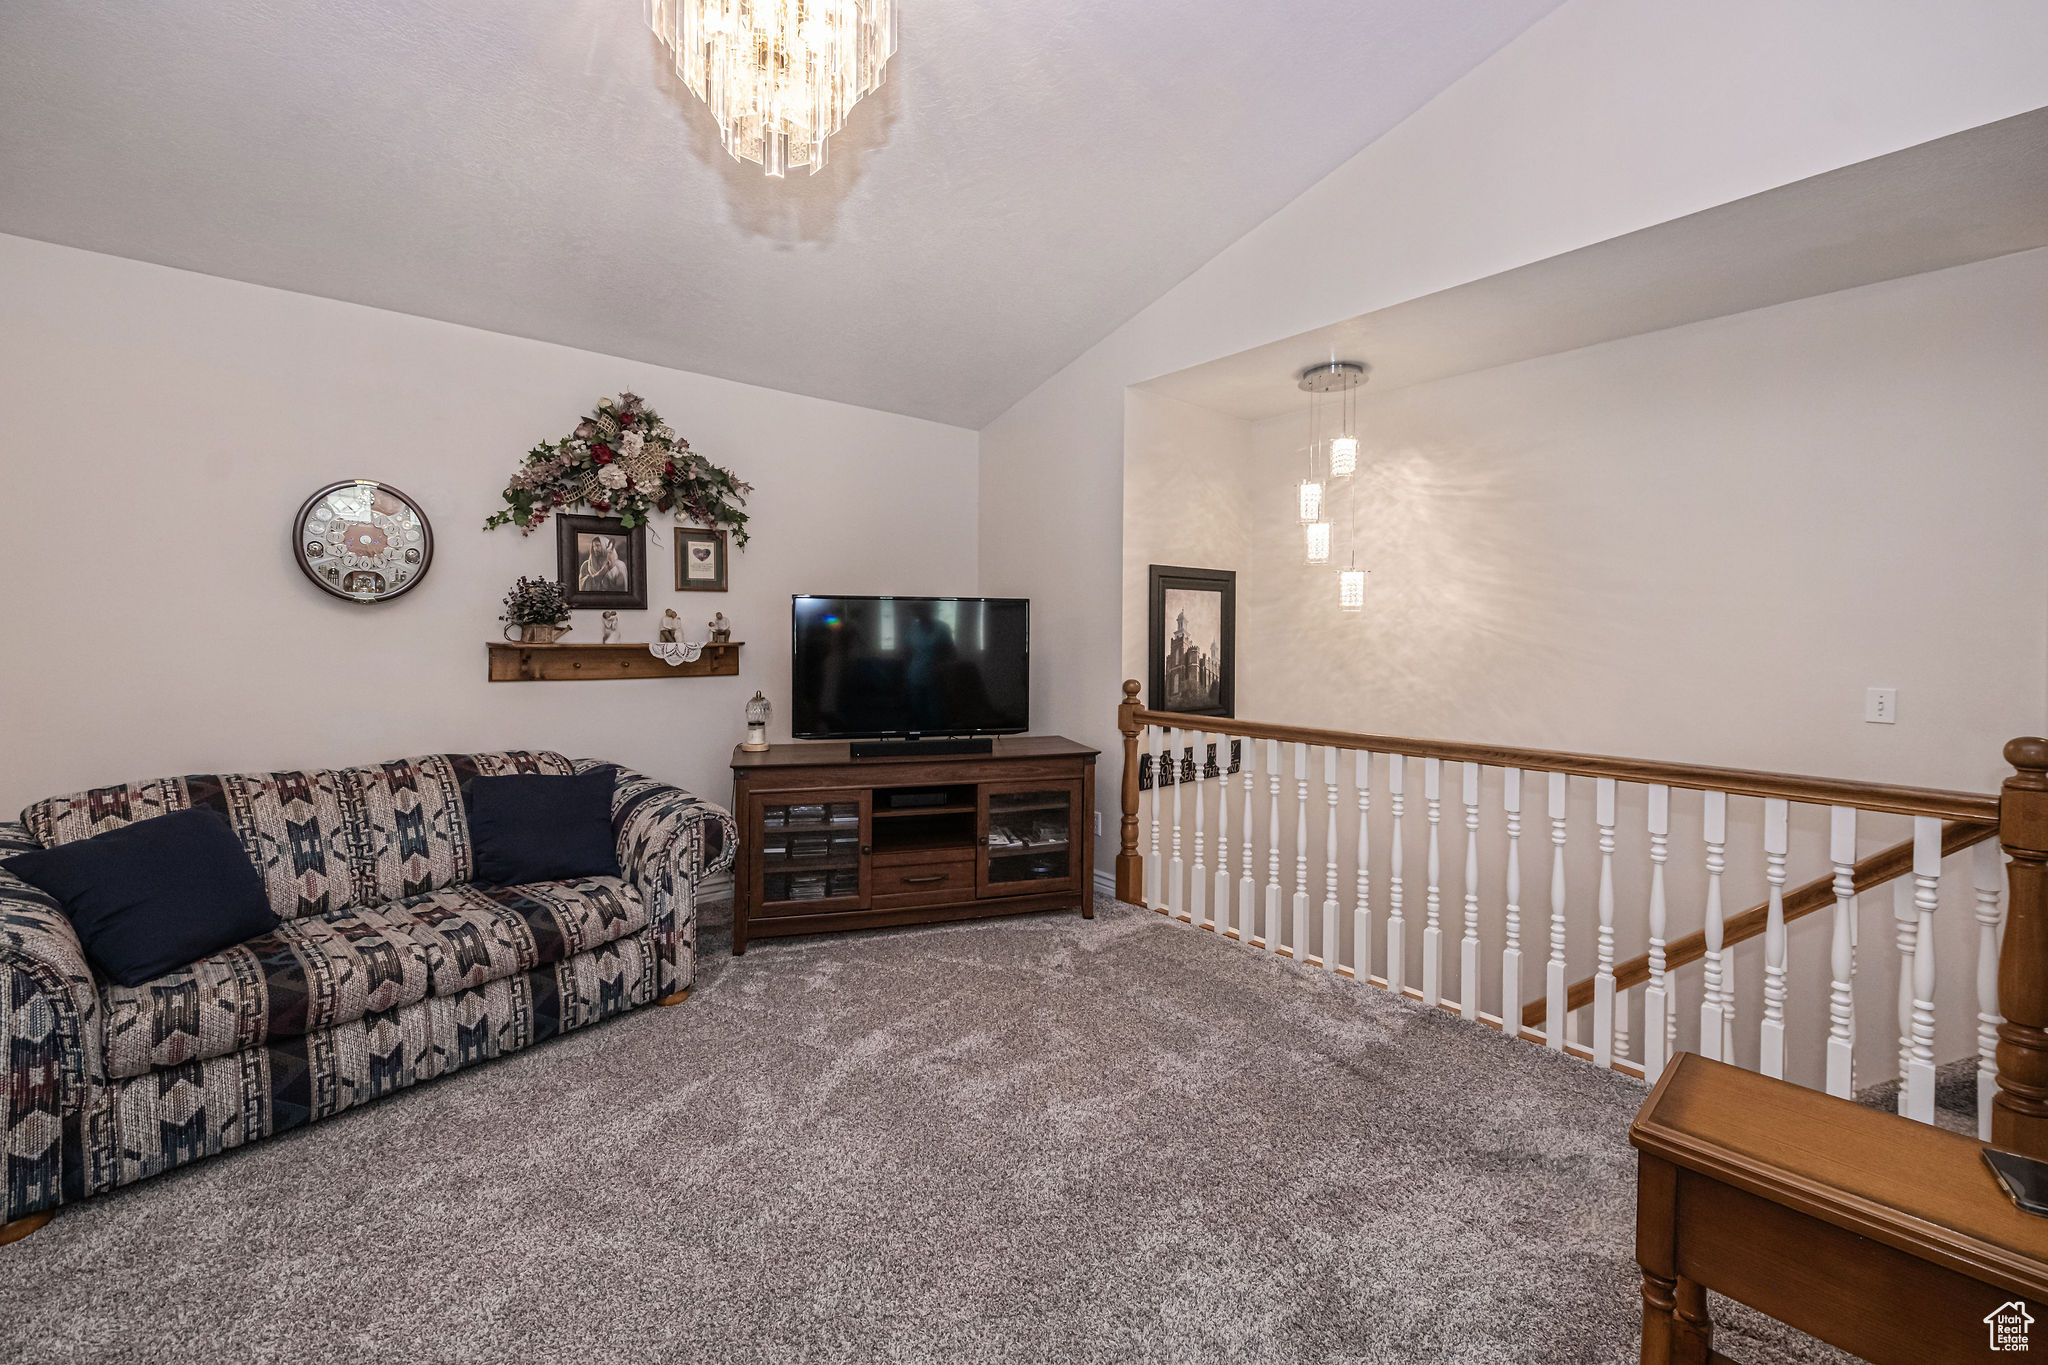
(1105, 883)
(718, 888)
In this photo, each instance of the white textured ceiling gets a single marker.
(1030, 175)
(1967, 197)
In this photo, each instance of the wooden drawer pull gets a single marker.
(922, 881)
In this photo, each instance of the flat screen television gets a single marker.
(885, 667)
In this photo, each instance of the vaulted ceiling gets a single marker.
(1029, 176)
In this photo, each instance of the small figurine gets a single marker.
(610, 632)
(671, 627)
(721, 629)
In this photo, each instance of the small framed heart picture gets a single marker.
(700, 560)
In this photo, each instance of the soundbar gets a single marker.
(918, 748)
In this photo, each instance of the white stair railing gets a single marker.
(1194, 881)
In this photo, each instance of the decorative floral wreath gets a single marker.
(624, 461)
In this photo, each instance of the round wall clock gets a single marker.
(362, 540)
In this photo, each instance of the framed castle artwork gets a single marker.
(1191, 641)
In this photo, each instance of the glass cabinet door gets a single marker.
(812, 856)
(1028, 842)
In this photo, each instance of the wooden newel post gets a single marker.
(2019, 1115)
(1130, 868)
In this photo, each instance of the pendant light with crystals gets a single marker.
(778, 75)
(1339, 377)
(1351, 578)
(1315, 522)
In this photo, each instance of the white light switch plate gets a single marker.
(1881, 705)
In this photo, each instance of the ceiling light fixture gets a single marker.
(779, 75)
(1340, 377)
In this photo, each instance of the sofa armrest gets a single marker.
(665, 833)
(668, 842)
(50, 1026)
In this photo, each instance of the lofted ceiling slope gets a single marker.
(1028, 177)
(1967, 197)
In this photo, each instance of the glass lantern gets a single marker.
(1343, 457)
(1318, 542)
(1351, 589)
(758, 712)
(1311, 501)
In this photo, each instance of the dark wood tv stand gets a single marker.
(830, 842)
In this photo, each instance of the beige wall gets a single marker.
(1186, 470)
(1700, 544)
(162, 428)
(1605, 117)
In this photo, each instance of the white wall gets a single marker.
(1185, 472)
(1605, 117)
(162, 428)
(1699, 544)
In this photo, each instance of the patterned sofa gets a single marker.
(389, 967)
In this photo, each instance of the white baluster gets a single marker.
(1221, 893)
(1432, 928)
(1771, 1047)
(1299, 928)
(1926, 897)
(1906, 921)
(1154, 869)
(1989, 876)
(1198, 886)
(1717, 1024)
(1330, 935)
(1608, 1032)
(1273, 846)
(1397, 927)
(1468, 947)
(1298, 932)
(1555, 1022)
(1361, 907)
(1247, 889)
(1511, 954)
(1659, 1018)
(1841, 984)
(1176, 871)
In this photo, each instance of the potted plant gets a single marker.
(538, 609)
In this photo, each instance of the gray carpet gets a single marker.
(1038, 1139)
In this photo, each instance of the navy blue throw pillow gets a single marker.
(153, 896)
(531, 828)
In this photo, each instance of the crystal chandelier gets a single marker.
(1340, 377)
(778, 75)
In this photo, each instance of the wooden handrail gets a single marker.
(1973, 807)
(1817, 894)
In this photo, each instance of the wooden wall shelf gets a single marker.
(593, 663)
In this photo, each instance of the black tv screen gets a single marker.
(873, 667)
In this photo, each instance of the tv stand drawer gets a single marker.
(931, 882)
